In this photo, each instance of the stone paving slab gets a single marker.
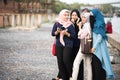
(26, 55)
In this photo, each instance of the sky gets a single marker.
(89, 1)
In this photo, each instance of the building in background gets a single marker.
(8, 7)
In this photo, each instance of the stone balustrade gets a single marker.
(26, 20)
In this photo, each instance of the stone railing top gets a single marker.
(115, 36)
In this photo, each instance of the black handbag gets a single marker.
(86, 45)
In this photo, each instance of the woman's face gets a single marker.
(74, 16)
(84, 20)
(66, 16)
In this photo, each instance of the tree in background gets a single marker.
(59, 6)
(107, 8)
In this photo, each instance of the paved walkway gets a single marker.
(26, 55)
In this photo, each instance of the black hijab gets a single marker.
(78, 13)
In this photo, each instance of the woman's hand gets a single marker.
(78, 19)
(79, 25)
(92, 50)
(64, 32)
(57, 32)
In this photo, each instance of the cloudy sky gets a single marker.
(89, 1)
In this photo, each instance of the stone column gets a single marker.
(32, 20)
(39, 20)
(35, 20)
(27, 20)
(13, 20)
(23, 20)
(18, 21)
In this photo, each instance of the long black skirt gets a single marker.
(98, 72)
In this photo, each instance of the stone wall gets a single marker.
(114, 40)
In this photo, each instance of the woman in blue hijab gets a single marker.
(99, 43)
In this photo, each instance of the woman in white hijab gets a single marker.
(85, 31)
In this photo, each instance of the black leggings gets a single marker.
(64, 59)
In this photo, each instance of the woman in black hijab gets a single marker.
(75, 19)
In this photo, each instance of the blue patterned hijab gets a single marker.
(99, 25)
